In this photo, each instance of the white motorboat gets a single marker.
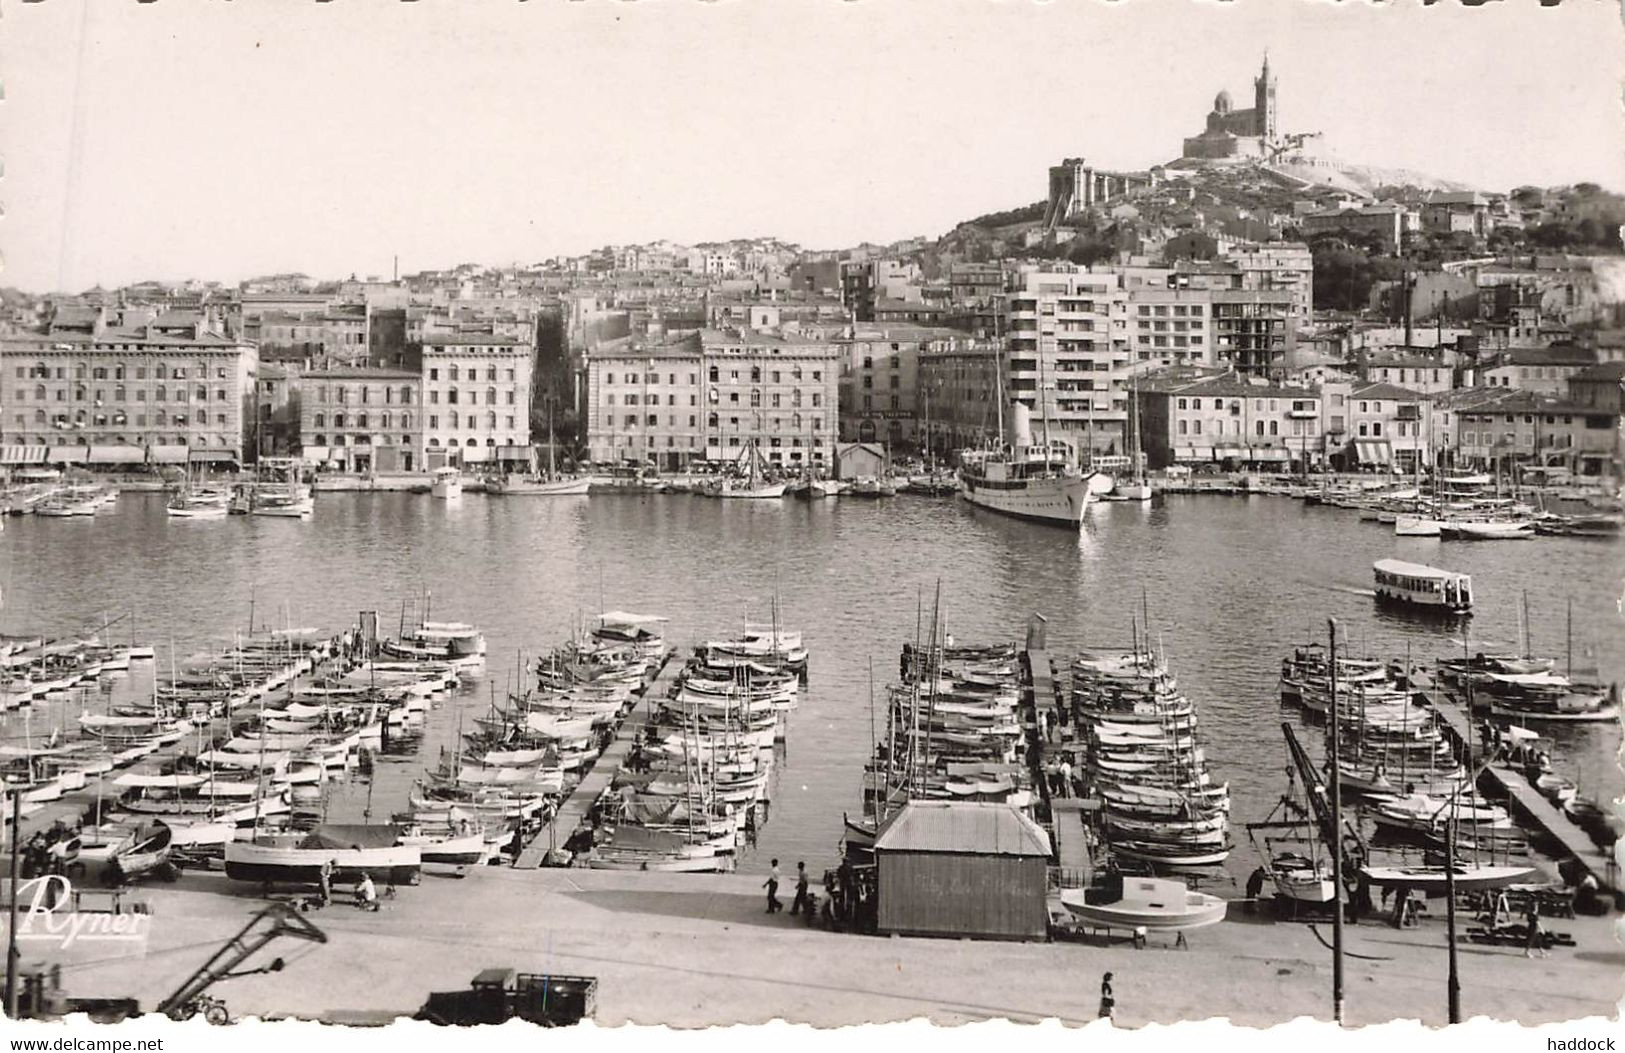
(1416, 526)
(1155, 904)
(1468, 877)
(448, 483)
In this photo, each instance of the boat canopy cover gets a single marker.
(642, 839)
(1413, 570)
(144, 780)
(334, 835)
(628, 618)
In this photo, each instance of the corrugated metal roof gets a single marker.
(965, 827)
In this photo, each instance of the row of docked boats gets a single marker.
(952, 732)
(1144, 761)
(697, 784)
(35, 668)
(1470, 507)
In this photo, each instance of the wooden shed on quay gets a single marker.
(963, 869)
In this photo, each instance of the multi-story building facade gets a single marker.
(1543, 370)
(476, 398)
(362, 419)
(1253, 330)
(167, 391)
(961, 377)
(712, 395)
(643, 402)
(1171, 327)
(336, 335)
(1069, 358)
(1369, 424)
(1426, 375)
(1228, 421)
(778, 391)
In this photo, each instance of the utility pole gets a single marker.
(1453, 985)
(1336, 781)
(12, 954)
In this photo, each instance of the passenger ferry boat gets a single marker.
(1428, 588)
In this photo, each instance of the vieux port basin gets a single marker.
(566, 735)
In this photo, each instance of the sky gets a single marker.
(219, 140)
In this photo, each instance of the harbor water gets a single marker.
(1230, 583)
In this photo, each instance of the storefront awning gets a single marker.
(1193, 453)
(1372, 451)
(1237, 452)
(167, 454)
(514, 453)
(313, 453)
(213, 457)
(1270, 453)
(22, 454)
(67, 454)
(117, 455)
(477, 454)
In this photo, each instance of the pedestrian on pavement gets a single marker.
(772, 886)
(802, 903)
(1107, 1002)
(1066, 778)
(1535, 938)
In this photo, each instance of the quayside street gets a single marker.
(692, 950)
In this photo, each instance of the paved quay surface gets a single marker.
(692, 950)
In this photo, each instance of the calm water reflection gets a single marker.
(1231, 582)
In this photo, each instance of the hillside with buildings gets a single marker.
(1252, 260)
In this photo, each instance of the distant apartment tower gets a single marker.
(1069, 355)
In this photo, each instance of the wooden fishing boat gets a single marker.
(145, 852)
(352, 851)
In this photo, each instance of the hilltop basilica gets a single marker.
(1233, 134)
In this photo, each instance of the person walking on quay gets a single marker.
(772, 886)
(1107, 1002)
(1066, 778)
(1255, 886)
(802, 903)
(1534, 941)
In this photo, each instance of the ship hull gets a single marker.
(1057, 502)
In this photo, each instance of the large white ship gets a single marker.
(1037, 482)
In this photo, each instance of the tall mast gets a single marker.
(998, 370)
(1336, 780)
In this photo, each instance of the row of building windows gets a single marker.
(471, 421)
(124, 438)
(161, 371)
(471, 398)
(360, 421)
(1299, 427)
(160, 418)
(341, 394)
(470, 373)
(160, 394)
(713, 421)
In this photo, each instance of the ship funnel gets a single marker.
(1021, 425)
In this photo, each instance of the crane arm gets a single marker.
(265, 926)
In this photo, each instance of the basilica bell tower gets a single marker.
(1264, 102)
